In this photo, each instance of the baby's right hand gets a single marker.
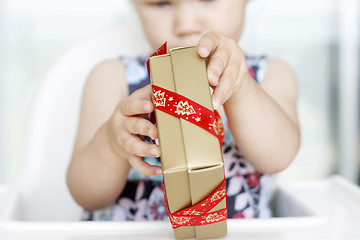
(128, 124)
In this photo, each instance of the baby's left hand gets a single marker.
(227, 69)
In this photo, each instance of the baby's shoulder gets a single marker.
(281, 84)
(108, 70)
(280, 75)
(276, 66)
(107, 76)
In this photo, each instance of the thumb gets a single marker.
(143, 93)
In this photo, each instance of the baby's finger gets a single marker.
(208, 42)
(141, 126)
(135, 106)
(226, 84)
(143, 167)
(136, 146)
(216, 65)
(143, 93)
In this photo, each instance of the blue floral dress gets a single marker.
(248, 191)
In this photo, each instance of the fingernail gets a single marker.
(149, 134)
(213, 79)
(147, 107)
(203, 52)
(155, 152)
(158, 172)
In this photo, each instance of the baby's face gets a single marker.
(183, 22)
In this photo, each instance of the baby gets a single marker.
(115, 174)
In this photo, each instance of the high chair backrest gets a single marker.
(53, 123)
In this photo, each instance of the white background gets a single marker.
(305, 33)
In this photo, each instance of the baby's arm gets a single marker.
(107, 142)
(262, 119)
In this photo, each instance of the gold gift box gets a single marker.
(191, 157)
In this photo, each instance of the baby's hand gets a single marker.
(128, 125)
(226, 68)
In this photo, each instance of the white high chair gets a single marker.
(54, 118)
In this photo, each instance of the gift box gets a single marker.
(190, 136)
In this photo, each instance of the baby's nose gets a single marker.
(186, 20)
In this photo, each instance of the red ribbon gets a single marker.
(184, 108)
(198, 214)
(161, 51)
